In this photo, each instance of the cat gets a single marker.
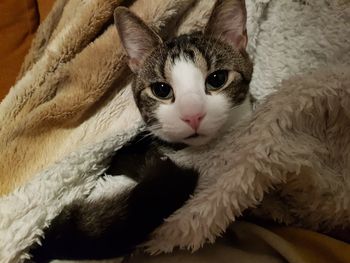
(188, 89)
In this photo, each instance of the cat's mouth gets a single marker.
(196, 139)
(192, 136)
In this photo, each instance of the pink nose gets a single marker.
(194, 120)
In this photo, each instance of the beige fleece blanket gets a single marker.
(72, 107)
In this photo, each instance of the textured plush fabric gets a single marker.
(68, 107)
(294, 37)
(73, 106)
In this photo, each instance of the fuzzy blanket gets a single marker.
(72, 107)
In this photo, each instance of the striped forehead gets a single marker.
(188, 53)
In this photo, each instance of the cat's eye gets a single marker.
(162, 90)
(216, 80)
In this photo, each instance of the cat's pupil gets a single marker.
(162, 90)
(216, 80)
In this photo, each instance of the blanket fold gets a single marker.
(59, 93)
(72, 107)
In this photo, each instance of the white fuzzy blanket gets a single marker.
(72, 107)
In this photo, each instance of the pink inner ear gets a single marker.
(134, 64)
(238, 40)
(228, 22)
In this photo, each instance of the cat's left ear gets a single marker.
(228, 23)
(137, 38)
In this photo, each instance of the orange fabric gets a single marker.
(44, 8)
(313, 247)
(19, 20)
(18, 23)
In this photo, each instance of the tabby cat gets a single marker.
(188, 90)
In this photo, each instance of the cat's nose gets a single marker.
(194, 120)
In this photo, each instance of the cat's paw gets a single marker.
(186, 232)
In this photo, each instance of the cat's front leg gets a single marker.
(212, 209)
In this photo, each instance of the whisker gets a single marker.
(235, 106)
(145, 137)
(154, 126)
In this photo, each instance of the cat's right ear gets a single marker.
(137, 38)
(228, 23)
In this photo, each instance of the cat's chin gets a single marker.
(197, 140)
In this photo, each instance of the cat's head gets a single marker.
(188, 88)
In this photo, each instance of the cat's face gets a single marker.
(187, 89)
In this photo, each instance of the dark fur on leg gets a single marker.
(114, 226)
